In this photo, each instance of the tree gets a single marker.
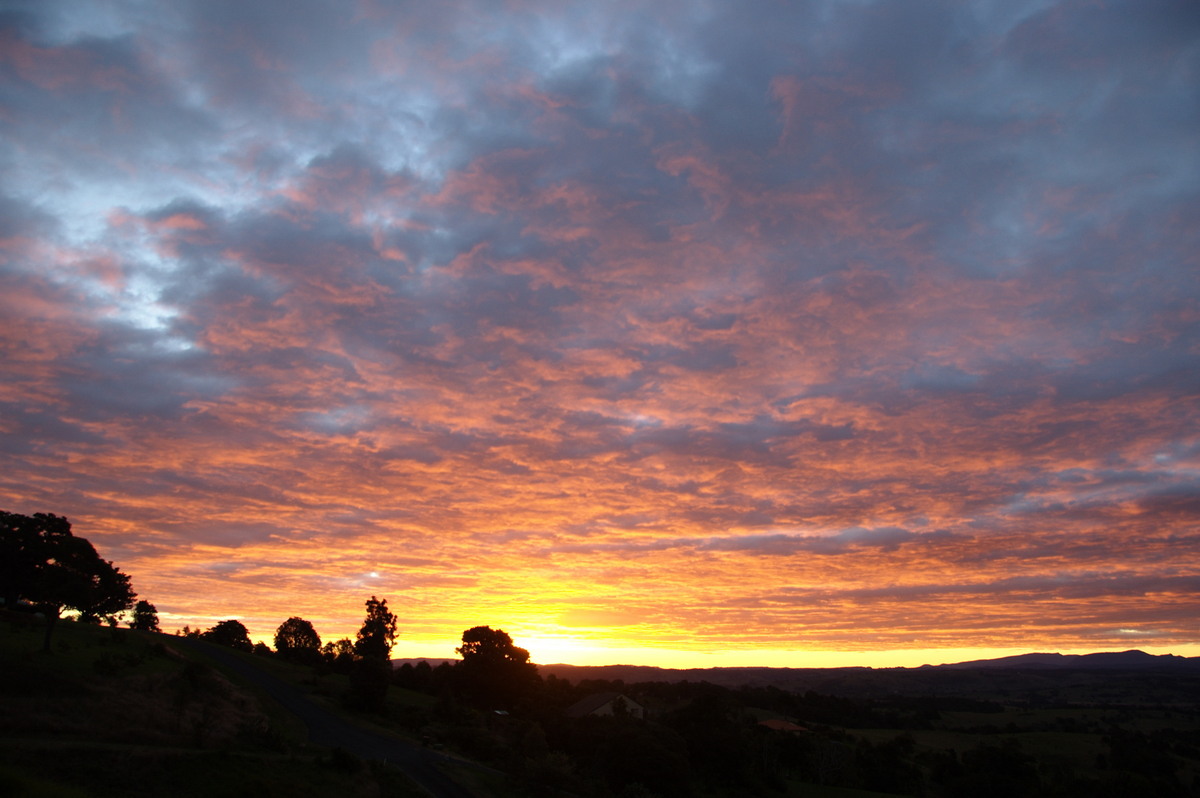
(378, 632)
(230, 633)
(483, 644)
(44, 566)
(145, 617)
(370, 673)
(296, 639)
(108, 595)
(494, 672)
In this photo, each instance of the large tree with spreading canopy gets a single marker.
(296, 639)
(45, 567)
(494, 672)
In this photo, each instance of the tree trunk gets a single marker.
(51, 620)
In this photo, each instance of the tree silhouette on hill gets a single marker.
(378, 632)
(297, 640)
(338, 655)
(494, 673)
(44, 566)
(230, 633)
(371, 671)
(145, 617)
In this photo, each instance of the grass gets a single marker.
(104, 772)
(112, 712)
(284, 724)
(1064, 741)
(798, 789)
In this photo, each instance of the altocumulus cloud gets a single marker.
(550, 315)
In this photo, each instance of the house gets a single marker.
(782, 725)
(606, 704)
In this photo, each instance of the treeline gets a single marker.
(365, 660)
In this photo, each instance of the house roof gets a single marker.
(595, 701)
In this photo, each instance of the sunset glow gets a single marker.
(672, 333)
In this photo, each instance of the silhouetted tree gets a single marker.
(369, 681)
(414, 677)
(296, 639)
(145, 617)
(494, 672)
(230, 633)
(42, 564)
(371, 671)
(339, 654)
(717, 738)
(996, 771)
(106, 594)
(378, 632)
(627, 754)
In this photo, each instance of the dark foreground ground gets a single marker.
(120, 713)
(111, 712)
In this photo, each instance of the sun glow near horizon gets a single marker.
(548, 651)
(566, 625)
(797, 341)
(598, 649)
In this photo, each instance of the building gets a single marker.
(606, 704)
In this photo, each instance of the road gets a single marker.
(325, 728)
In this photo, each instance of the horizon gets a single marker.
(683, 331)
(571, 652)
(941, 658)
(905, 659)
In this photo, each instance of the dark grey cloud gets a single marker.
(739, 283)
(842, 542)
(1060, 585)
(23, 220)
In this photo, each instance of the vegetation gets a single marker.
(494, 673)
(378, 632)
(370, 669)
(296, 639)
(231, 633)
(145, 617)
(699, 739)
(138, 713)
(112, 713)
(45, 568)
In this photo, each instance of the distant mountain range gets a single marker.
(1101, 661)
(1133, 660)
(1100, 678)
(1123, 661)
(1105, 660)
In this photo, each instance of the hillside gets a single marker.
(112, 712)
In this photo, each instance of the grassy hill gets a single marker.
(112, 712)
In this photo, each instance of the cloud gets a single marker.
(646, 303)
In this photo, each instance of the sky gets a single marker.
(669, 333)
